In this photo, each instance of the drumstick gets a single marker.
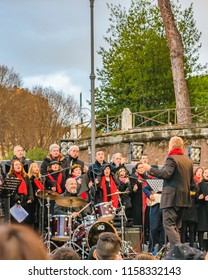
(84, 208)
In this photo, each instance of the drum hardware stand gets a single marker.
(163, 251)
(123, 216)
(125, 248)
(70, 243)
(48, 242)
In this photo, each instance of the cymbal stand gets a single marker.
(125, 248)
(48, 242)
(123, 216)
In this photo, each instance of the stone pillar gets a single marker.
(75, 131)
(126, 119)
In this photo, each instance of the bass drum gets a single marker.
(96, 230)
(85, 237)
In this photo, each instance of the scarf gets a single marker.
(23, 187)
(58, 182)
(177, 151)
(38, 184)
(113, 189)
(83, 195)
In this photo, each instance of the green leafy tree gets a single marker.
(136, 69)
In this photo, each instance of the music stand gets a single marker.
(155, 184)
(8, 189)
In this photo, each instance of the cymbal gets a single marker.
(70, 201)
(48, 194)
(118, 193)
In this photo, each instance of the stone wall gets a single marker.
(154, 139)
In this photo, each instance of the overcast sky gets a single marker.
(48, 41)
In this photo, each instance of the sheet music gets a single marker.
(19, 213)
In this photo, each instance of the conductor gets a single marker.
(177, 173)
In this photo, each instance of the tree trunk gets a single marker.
(177, 62)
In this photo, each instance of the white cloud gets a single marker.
(58, 81)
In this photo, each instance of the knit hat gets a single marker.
(184, 252)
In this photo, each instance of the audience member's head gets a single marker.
(20, 242)
(184, 252)
(65, 253)
(108, 247)
(145, 256)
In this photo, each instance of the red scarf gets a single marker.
(23, 187)
(113, 189)
(197, 179)
(58, 182)
(177, 151)
(83, 195)
(38, 184)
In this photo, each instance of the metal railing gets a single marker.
(153, 118)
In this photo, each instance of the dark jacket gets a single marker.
(178, 177)
(47, 160)
(70, 161)
(94, 170)
(202, 206)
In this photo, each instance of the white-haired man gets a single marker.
(54, 155)
(178, 177)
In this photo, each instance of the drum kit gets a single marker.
(82, 238)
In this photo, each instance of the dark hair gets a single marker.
(108, 246)
(65, 253)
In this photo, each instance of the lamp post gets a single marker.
(92, 79)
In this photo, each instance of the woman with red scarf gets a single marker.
(55, 181)
(37, 185)
(23, 195)
(105, 186)
(177, 173)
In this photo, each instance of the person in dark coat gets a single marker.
(18, 154)
(116, 162)
(55, 180)
(202, 200)
(73, 159)
(37, 204)
(106, 184)
(53, 155)
(178, 177)
(190, 219)
(23, 195)
(95, 168)
(124, 185)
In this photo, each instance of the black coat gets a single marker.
(94, 170)
(178, 177)
(202, 206)
(20, 199)
(70, 161)
(47, 160)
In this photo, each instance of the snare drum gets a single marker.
(61, 227)
(104, 211)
